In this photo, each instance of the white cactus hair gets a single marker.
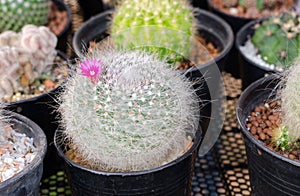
(142, 115)
(290, 96)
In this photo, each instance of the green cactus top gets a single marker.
(16, 14)
(278, 39)
(160, 26)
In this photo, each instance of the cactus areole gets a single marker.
(128, 111)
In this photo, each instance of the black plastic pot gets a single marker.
(42, 110)
(270, 173)
(250, 70)
(210, 27)
(172, 179)
(27, 181)
(90, 8)
(62, 38)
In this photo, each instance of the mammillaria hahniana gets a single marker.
(128, 111)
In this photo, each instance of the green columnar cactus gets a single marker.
(128, 111)
(26, 55)
(289, 133)
(16, 14)
(278, 39)
(159, 26)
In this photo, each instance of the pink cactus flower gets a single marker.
(91, 68)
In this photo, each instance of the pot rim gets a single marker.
(196, 143)
(69, 16)
(16, 118)
(247, 133)
(225, 50)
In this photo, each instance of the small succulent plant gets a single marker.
(277, 39)
(157, 26)
(128, 111)
(24, 56)
(16, 14)
(287, 136)
(259, 4)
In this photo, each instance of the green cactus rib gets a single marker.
(16, 14)
(138, 116)
(157, 26)
(277, 40)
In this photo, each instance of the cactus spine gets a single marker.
(16, 14)
(128, 111)
(158, 26)
(278, 39)
(287, 135)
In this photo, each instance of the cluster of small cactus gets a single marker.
(157, 26)
(287, 136)
(277, 39)
(128, 111)
(24, 56)
(16, 14)
(259, 4)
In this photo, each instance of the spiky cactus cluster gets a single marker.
(16, 14)
(278, 39)
(287, 136)
(128, 111)
(24, 56)
(259, 4)
(158, 26)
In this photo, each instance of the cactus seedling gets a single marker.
(158, 26)
(128, 111)
(16, 14)
(278, 39)
(287, 136)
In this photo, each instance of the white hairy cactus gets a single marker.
(290, 96)
(128, 111)
(29, 53)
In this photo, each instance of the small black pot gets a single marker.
(91, 8)
(172, 179)
(270, 173)
(250, 70)
(62, 38)
(26, 182)
(42, 110)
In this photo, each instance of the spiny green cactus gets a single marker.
(159, 26)
(128, 111)
(278, 39)
(26, 55)
(281, 138)
(16, 14)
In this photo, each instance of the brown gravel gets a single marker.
(261, 123)
(57, 19)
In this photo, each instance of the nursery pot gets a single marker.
(27, 181)
(91, 8)
(62, 37)
(211, 27)
(250, 70)
(270, 172)
(172, 179)
(42, 110)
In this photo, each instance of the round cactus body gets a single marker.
(278, 40)
(164, 27)
(128, 111)
(15, 14)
